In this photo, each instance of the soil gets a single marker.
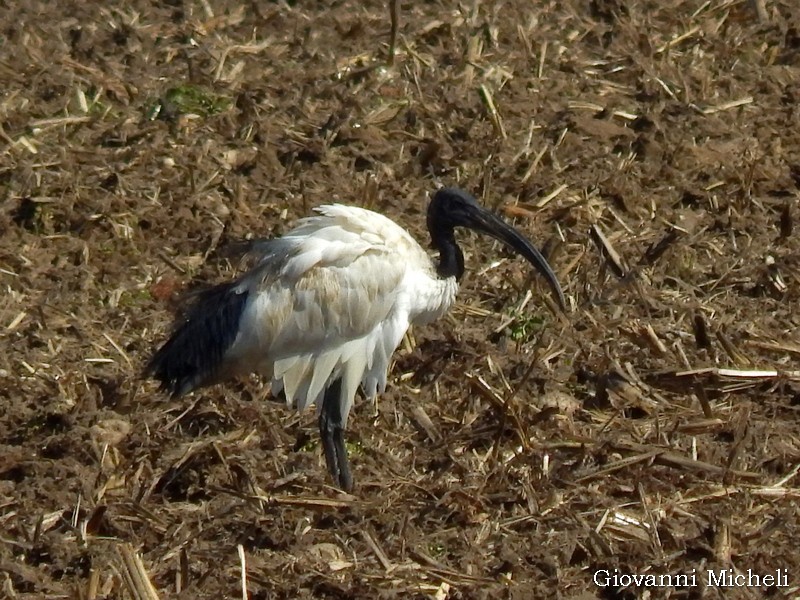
(653, 150)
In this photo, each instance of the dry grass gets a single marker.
(652, 148)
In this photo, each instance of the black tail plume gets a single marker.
(193, 354)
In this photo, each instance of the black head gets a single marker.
(451, 208)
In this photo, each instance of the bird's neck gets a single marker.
(441, 226)
(451, 259)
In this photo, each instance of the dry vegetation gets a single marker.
(653, 147)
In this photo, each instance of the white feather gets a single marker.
(333, 298)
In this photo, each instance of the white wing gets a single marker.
(327, 300)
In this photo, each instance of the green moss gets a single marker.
(188, 99)
(133, 298)
(354, 448)
(525, 326)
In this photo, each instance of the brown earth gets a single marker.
(141, 141)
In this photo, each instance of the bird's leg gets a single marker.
(394, 14)
(331, 430)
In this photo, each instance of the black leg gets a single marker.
(331, 430)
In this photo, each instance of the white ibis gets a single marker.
(325, 307)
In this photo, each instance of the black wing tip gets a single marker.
(194, 353)
(162, 368)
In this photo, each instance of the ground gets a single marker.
(651, 148)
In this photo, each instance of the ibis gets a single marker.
(326, 305)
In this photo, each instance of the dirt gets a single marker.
(652, 148)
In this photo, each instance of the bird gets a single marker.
(325, 306)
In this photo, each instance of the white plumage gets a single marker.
(334, 297)
(326, 305)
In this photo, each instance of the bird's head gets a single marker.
(451, 208)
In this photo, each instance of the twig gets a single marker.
(760, 7)
(497, 121)
(607, 250)
(134, 574)
(379, 553)
(243, 567)
(547, 199)
(424, 421)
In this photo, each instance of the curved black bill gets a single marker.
(479, 219)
